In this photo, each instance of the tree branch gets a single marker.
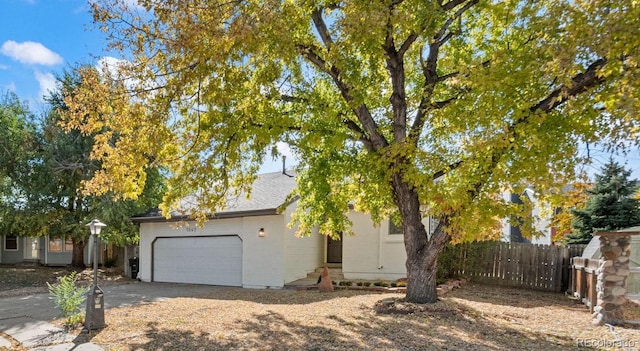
(321, 27)
(452, 4)
(369, 125)
(430, 66)
(579, 84)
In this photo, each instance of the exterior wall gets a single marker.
(371, 253)
(540, 212)
(58, 258)
(302, 255)
(262, 258)
(12, 256)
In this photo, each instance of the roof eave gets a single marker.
(220, 215)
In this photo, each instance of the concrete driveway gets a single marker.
(26, 318)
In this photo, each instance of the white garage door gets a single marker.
(211, 260)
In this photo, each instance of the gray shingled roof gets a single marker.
(269, 191)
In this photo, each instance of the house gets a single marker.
(511, 232)
(249, 244)
(45, 250)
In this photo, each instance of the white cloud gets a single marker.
(133, 5)
(4, 67)
(47, 83)
(111, 65)
(30, 53)
(284, 149)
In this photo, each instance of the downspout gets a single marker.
(380, 242)
(46, 250)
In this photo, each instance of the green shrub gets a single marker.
(401, 284)
(393, 285)
(384, 284)
(366, 283)
(68, 298)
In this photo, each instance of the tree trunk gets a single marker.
(422, 252)
(77, 258)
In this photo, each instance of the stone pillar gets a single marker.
(612, 276)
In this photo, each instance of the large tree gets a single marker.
(610, 204)
(48, 197)
(18, 143)
(399, 108)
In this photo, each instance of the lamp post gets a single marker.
(94, 318)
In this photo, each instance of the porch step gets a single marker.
(29, 263)
(335, 272)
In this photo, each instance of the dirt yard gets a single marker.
(474, 317)
(16, 281)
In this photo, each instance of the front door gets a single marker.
(334, 250)
(31, 248)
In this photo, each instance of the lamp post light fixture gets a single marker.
(94, 318)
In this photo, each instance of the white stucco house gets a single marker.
(249, 244)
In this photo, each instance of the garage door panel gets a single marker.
(198, 260)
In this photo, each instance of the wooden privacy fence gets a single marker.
(540, 267)
(584, 279)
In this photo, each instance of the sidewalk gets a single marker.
(27, 318)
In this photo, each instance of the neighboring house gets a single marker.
(541, 215)
(249, 244)
(45, 250)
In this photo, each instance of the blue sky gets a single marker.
(41, 38)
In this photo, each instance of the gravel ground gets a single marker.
(472, 318)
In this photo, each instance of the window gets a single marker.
(55, 244)
(60, 244)
(68, 244)
(395, 229)
(11, 243)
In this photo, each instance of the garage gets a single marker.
(210, 260)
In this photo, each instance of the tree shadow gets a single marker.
(285, 296)
(516, 297)
(455, 327)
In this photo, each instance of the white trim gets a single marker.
(4, 247)
(28, 248)
(63, 246)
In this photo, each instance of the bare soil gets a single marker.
(24, 280)
(474, 317)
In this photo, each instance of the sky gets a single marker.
(39, 39)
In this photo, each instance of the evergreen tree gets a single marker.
(610, 205)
